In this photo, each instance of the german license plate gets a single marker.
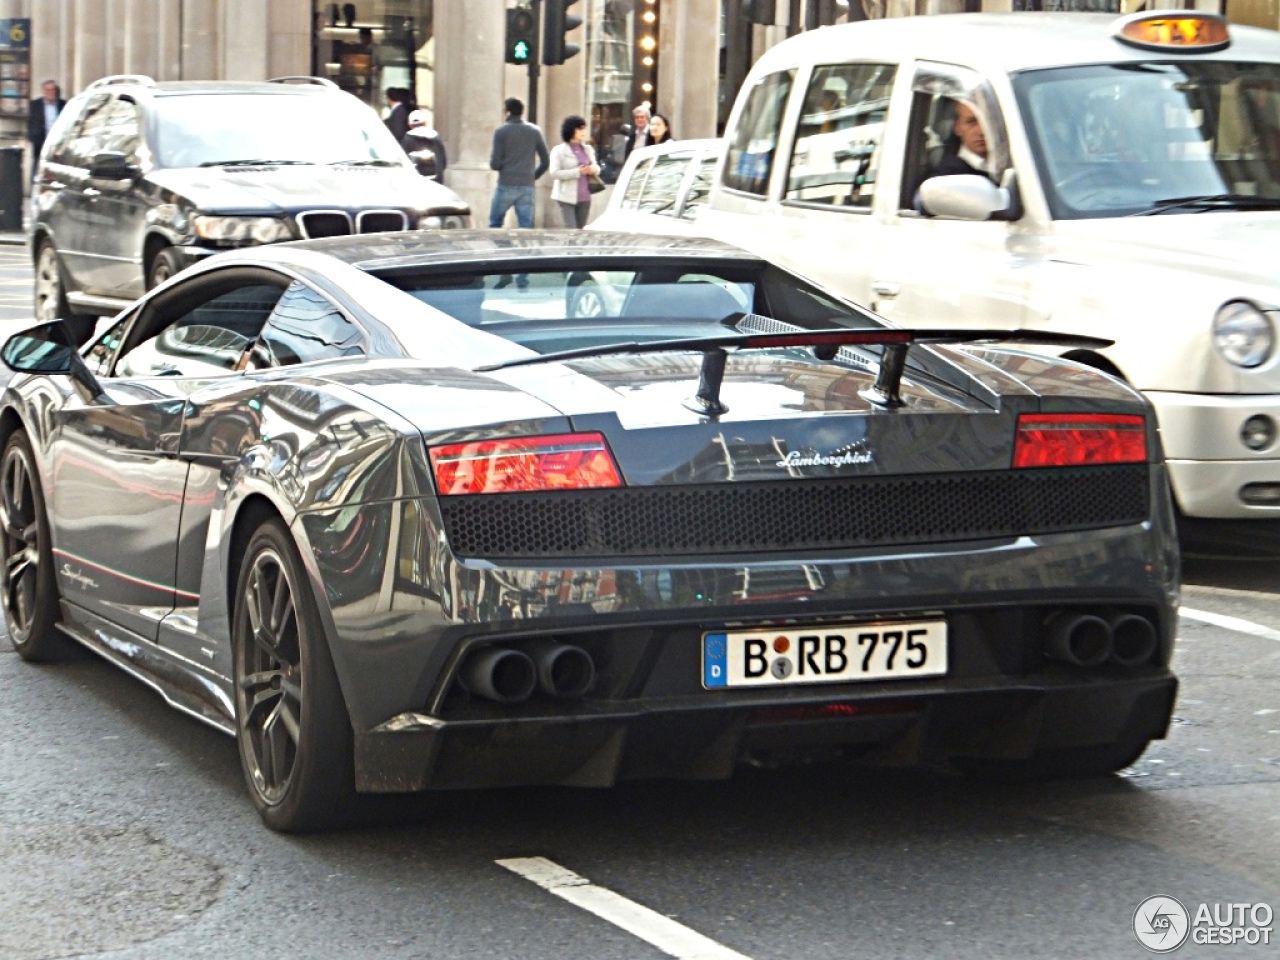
(836, 653)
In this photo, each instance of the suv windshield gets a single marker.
(1138, 138)
(206, 129)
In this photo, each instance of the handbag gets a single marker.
(594, 183)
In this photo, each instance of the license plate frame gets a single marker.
(778, 656)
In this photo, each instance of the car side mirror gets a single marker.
(967, 196)
(112, 165)
(51, 348)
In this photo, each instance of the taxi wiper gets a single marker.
(1212, 201)
(255, 163)
(365, 163)
(886, 391)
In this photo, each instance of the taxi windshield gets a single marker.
(1157, 137)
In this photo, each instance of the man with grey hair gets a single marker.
(639, 128)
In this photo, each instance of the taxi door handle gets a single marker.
(886, 289)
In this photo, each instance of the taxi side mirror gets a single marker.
(968, 196)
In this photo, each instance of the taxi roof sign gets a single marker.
(1185, 31)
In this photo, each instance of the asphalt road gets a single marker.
(125, 833)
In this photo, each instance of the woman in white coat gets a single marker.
(573, 162)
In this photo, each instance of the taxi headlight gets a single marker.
(240, 229)
(1243, 334)
(444, 221)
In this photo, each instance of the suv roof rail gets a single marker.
(138, 79)
(318, 81)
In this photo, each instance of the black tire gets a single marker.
(164, 265)
(296, 744)
(1074, 763)
(27, 581)
(49, 298)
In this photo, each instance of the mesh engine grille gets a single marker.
(377, 221)
(324, 225)
(734, 518)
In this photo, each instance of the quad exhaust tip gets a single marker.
(508, 675)
(1090, 640)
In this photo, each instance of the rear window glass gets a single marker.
(556, 309)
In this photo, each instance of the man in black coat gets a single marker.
(965, 151)
(40, 116)
(398, 119)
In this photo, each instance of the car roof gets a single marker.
(696, 145)
(137, 85)
(471, 247)
(1006, 42)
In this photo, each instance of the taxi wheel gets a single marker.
(295, 738)
(50, 287)
(1073, 763)
(28, 581)
(164, 265)
(585, 301)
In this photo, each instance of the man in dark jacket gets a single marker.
(516, 144)
(398, 119)
(40, 116)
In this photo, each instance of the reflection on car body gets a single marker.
(397, 525)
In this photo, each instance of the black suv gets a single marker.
(138, 179)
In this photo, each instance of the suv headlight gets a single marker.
(1243, 334)
(444, 221)
(241, 230)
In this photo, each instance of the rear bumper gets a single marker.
(688, 739)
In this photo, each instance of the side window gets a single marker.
(209, 338)
(77, 147)
(755, 141)
(119, 130)
(303, 328)
(696, 199)
(663, 185)
(837, 148)
(635, 186)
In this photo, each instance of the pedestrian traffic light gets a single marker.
(521, 32)
(555, 48)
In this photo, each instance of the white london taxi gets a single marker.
(1123, 181)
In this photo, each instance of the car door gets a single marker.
(224, 418)
(936, 272)
(115, 209)
(120, 494)
(100, 223)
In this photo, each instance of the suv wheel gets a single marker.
(167, 262)
(51, 289)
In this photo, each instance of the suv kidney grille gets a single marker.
(324, 223)
(337, 223)
(377, 221)
(738, 518)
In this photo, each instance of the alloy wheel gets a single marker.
(269, 684)
(48, 293)
(20, 535)
(587, 301)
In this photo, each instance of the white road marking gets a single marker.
(670, 937)
(1230, 623)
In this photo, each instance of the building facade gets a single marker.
(685, 58)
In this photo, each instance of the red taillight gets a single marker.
(1079, 439)
(569, 461)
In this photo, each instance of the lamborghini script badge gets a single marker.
(837, 458)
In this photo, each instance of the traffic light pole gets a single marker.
(535, 58)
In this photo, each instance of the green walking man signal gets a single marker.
(521, 33)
